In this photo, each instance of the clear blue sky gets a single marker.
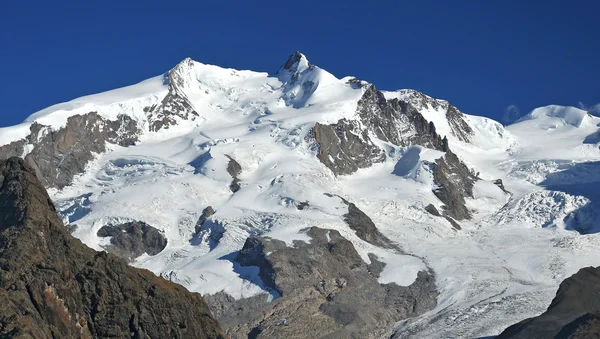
(480, 55)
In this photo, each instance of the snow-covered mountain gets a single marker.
(385, 212)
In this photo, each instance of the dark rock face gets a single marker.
(163, 114)
(53, 286)
(14, 149)
(206, 213)
(174, 105)
(432, 210)
(326, 290)
(234, 169)
(458, 126)
(302, 205)
(500, 184)
(453, 223)
(132, 239)
(346, 146)
(584, 327)
(343, 148)
(291, 68)
(396, 121)
(59, 155)
(574, 312)
(364, 227)
(455, 182)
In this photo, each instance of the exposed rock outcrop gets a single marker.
(132, 239)
(500, 184)
(432, 210)
(455, 182)
(459, 128)
(346, 146)
(53, 286)
(325, 289)
(174, 105)
(573, 313)
(234, 169)
(59, 155)
(362, 224)
(206, 213)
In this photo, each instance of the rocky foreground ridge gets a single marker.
(53, 286)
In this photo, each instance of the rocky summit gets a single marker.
(300, 204)
(53, 286)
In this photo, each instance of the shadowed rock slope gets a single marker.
(574, 312)
(53, 286)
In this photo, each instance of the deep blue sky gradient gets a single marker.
(480, 55)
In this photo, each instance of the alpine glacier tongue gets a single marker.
(269, 193)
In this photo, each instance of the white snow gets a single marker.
(567, 115)
(503, 265)
(129, 100)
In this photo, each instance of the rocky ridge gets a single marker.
(53, 286)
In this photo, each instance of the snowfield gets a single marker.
(503, 265)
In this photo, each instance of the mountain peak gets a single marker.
(295, 64)
(178, 74)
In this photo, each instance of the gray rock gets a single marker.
(14, 149)
(432, 210)
(458, 126)
(290, 67)
(174, 105)
(573, 313)
(302, 205)
(59, 155)
(453, 223)
(455, 182)
(346, 146)
(326, 291)
(132, 239)
(206, 213)
(396, 121)
(71, 228)
(364, 227)
(241, 317)
(500, 184)
(375, 267)
(234, 169)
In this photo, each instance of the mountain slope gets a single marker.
(54, 286)
(452, 218)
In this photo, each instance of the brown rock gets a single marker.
(53, 286)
